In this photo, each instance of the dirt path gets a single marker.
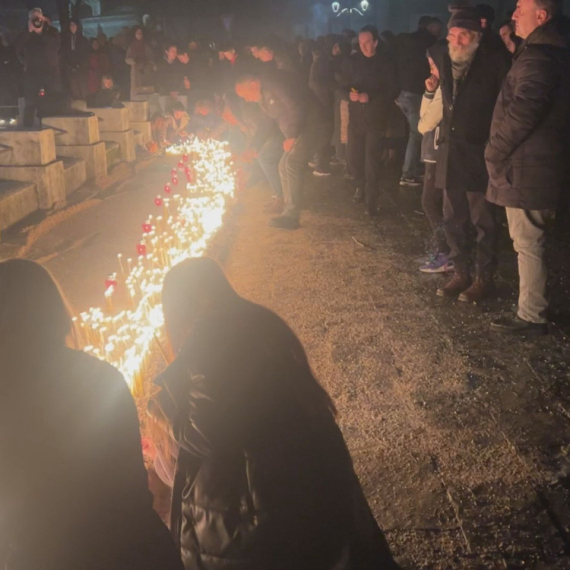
(460, 438)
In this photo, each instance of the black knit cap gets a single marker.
(464, 16)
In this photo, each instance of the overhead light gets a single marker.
(365, 5)
(335, 7)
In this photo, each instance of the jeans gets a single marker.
(268, 159)
(364, 157)
(432, 203)
(527, 230)
(460, 208)
(410, 104)
(292, 167)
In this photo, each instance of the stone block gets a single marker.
(17, 201)
(27, 147)
(125, 139)
(49, 180)
(143, 127)
(138, 110)
(113, 153)
(75, 175)
(78, 130)
(112, 119)
(79, 105)
(94, 156)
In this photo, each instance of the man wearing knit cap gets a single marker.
(471, 78)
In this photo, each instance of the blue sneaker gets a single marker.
(439, 264)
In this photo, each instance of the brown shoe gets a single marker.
(275, 206)
(482, 288)
(456, 285)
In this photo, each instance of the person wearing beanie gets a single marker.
(471, 78)
(527, 153)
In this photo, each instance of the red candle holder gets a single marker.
(184, 158)
(158, 201)
(147, 228)
(141, 248)
(111, 281)
(175, 181)
(167, 188)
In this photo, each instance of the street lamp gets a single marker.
(335, 7)
(365, 5)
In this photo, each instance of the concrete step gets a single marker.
(75, 173)
(113, 151)
(17, 201)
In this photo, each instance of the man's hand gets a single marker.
(354, 96)
(288, 144)
(432, 83)
(249, 155)
(363, 97)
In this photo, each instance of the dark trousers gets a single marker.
(77, 83)
(459, 209)
(432, 202)
(325, 151)
(33, 84)
(364, 155)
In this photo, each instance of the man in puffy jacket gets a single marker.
(527, 151)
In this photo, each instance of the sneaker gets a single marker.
(516, 325)
(440, 263)
(482, 288)
(321, 173)
(410, 181)
(285, 223)
(456, 285)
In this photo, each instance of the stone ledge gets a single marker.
(28, 147)
(111, 119)
(78, 130)
(75, 174)
(126, 140)
(94, 155)
(17, 201)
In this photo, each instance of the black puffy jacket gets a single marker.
(263, 481)
(527, 155)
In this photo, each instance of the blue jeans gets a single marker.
(410, 104)
(268, 159)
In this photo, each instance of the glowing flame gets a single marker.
(183, 228)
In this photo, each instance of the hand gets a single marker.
(432, 83)
(363, 97)
(249, 154)
(354, 96)
(288, 144)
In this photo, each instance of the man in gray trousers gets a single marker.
(527, 152)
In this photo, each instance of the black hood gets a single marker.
(555, 32)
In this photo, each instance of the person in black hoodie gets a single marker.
(413, 70)
(263, 478)
(371, 87)
(38, 50)
(75, 60)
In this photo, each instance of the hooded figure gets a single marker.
(263, 478)
(75, 60)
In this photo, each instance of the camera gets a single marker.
(37, 23)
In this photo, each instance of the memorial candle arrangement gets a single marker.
(181, 226)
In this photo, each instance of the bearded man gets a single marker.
(471, 78)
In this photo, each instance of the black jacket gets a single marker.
(170, 76)
(263, 482)
(376, 76)
(322, 80)
(76, 494)
(39, 53)
(527, 155)
(292, 105)
(77, 59)
(413, 66)
(467, 120)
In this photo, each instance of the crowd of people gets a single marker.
(245, 435)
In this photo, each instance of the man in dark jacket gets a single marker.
(302, 120)
(38, 50)
(372, 88)
(170, 72)
(413, 70)
(527, 152)
(471, 79)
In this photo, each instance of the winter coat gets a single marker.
(294, 107)
(467, 120)
(431, 115)
(75, 60)
(412, 63)
(39, 53)
(527, 154)
(76, 495)
(263, 482)
(98, 66)
(375, 76)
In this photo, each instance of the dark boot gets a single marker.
(456, 285)
(372, 206)
(358, 196)
(482, 288)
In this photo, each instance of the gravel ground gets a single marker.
(460, 437)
